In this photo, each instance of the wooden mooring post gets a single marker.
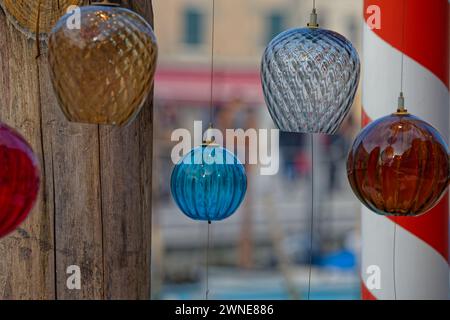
(94, 207)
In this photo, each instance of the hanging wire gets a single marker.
(393, 261)
(311, 218)
(403, 47)
(311, 227)
(211, 106)
(208, 241)
(211, 120)
(401, 107)
(401, 72)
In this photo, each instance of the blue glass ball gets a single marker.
(209, 183)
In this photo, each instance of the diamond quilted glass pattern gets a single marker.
(103, 72)
(309, 77)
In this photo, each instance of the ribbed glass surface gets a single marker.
(309, 79)
(209, 183)
(399, 165)
(103, 72)
(19, 179)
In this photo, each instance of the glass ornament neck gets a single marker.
(209, 141)
(105, 3)
(401, 105)
(313, 20)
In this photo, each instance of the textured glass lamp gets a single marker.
(103, 72)
(19, 179)
(209, 183)
(399, 165)
(309, 78)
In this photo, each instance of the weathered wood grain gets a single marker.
(127, 219)
(94, 208)
(26, 256)
(72, 166)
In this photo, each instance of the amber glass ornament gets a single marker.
(399, 166)
(19, 179)
(36, 16)
(103, 72)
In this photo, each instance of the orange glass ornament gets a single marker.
(103, 71)
(399, 166)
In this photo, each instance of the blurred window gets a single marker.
(275, 25)
(193, 26)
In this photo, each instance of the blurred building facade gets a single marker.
(242, 29)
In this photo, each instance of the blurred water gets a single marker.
(194, 291)
(225, 284)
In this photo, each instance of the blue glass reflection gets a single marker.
(209, 183)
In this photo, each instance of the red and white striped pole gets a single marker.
(421, 258)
